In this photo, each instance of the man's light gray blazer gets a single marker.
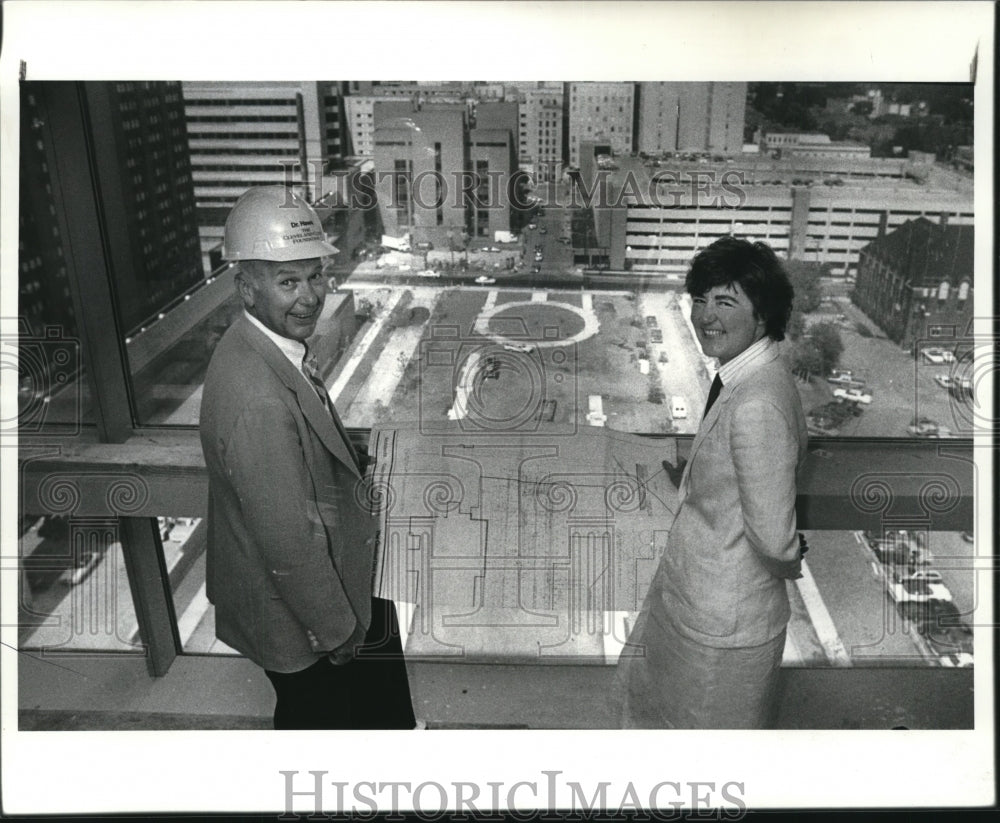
(290, 539)
(734, 539)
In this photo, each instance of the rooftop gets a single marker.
(929, 252)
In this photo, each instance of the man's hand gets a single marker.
(675, 472)
(345, 653)
(803, 545)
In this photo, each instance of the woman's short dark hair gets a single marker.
(759, 273)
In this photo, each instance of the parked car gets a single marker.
(958, 660)
(922, 584)
(936, 355)
(483, 280)
(941, 625)
(897, 550)
(945, 381)
(651, 321)
(543, 230)
(678, 407)
(532, 225)
(963, 390)
(846, 380)
(428, 273)
(539, 257)
(924, 427)
(910, 590)
(656, 336)
(854, 395)
(523, 348)
(425, 246)
(536, 269)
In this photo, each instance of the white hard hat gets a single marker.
(274, 223)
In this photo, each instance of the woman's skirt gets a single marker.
(665, 680)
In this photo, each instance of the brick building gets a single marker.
(917, 282)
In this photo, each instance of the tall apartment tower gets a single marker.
(142, 154)
(359, 114)
(256, 134)
(44, 297)
(602, 113)
(696, 117)
(540, 130)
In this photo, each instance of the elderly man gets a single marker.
(707, 645)
(290, 539)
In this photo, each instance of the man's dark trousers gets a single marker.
(370, 692)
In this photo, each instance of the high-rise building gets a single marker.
(424, 149)
(602, 113)
(140, 169)
(359, 113)
(443, 171)
(493, 157)
(691, 117)
(139, 130)
(144, 121)
(256, 134)
(44, 299)
(540, 135)
(361, 97)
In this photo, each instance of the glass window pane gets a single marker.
(74, 593)
(184, 551)
(53, 390)
(167, 379)
(901, 597)
(864, 228)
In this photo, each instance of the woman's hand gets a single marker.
(675, 472)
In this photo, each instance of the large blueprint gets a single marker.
(519, 546)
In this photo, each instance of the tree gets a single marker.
(826, 338)
(796, 325)
(806, 359)
(804, 276)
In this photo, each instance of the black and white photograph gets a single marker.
(611, 402)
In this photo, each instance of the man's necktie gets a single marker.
(713, 393)
(310, 371)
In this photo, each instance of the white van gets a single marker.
(678, 407)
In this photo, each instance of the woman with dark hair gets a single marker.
(707, 646)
